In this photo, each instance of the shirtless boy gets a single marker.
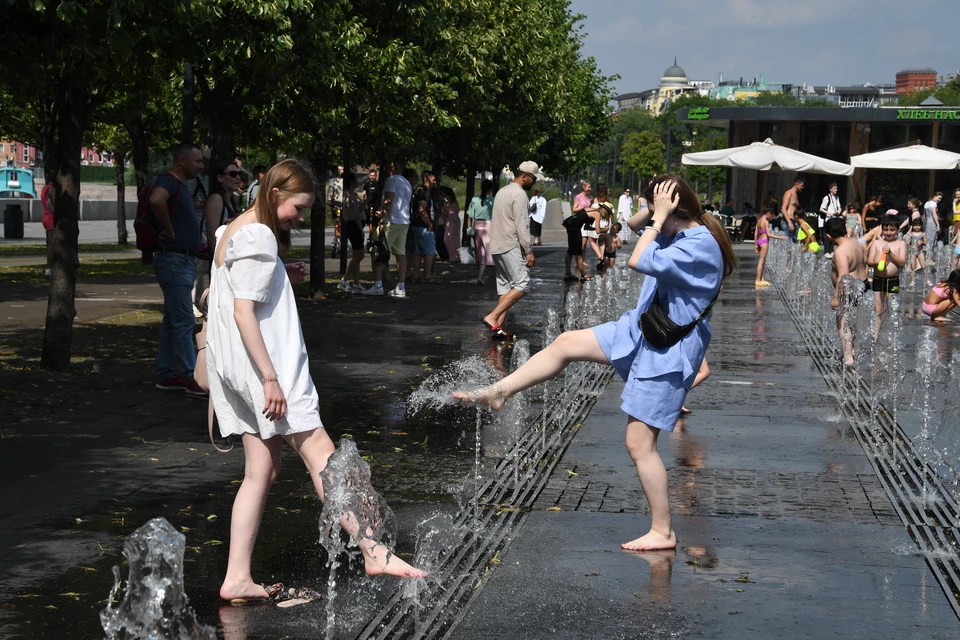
(886, 255)
(849, 258)
(790, 202)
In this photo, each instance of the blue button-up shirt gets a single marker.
(686, 272)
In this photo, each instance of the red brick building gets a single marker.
(24, 156)
(911, 80)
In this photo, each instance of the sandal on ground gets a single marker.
(274, 592)
(489, 326)
(500, 334)
(293, 597)
(585, 278)
(570, 278)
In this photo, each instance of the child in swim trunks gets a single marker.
(887, 256)
(610, 241)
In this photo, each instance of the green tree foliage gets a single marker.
(643, 152)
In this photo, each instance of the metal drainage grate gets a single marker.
(503, 504)
(924, 505)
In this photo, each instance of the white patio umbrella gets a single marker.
(915, 156)
(763, 155)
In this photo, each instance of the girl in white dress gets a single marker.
(259, 372)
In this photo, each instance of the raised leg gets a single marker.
(261, 468)
(570, 346)
(642, 446)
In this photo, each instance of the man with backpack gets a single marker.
(174, 261)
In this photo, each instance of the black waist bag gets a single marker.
(660, 331)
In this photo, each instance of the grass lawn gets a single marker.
(14, 251)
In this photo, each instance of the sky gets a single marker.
(837, 42)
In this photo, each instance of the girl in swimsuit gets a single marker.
(943, 297)
(763, 234)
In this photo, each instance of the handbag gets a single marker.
(380, 252)
(660, 331)
(200, 375)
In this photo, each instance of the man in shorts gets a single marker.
(510, 245)
(397, 193)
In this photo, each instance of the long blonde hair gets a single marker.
(289, 177)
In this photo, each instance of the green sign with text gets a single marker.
(699, 113)
(928, 114)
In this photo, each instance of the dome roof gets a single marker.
(675, 71)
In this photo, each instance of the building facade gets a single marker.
(913, 80)
(837, 134)
(25, 156)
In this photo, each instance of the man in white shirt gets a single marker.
(624, 212)
(829, 208)
(510, 246)
(397, 194)
(538, 213)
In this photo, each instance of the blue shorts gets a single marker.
(421, 241)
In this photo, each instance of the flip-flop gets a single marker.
(490, 326)
(294, 597)
(273, 593)
(500, 334)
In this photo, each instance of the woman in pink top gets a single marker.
(47, 195)
(944, 297)
(450, 212)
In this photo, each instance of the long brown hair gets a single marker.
(289, 177)
(689, 209)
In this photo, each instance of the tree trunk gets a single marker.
(318, 218)
(119, 160)
(58, 333)
(186, 127)
(222, 116)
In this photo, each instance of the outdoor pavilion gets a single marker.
(838, 133)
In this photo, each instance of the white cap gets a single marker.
(530, 167)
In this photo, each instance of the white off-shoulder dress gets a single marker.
(252, 270)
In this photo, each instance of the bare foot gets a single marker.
(652, 541)
(378, 560)
(248, 591)
(490, 396)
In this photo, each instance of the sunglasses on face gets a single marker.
(232, 174)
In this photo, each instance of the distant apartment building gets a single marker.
(25, 156)
(911, 80)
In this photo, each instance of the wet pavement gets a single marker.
(784, 529)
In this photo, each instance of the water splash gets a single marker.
(350, 502)
(155, 606)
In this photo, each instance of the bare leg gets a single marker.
(354, 267)
(315, 449)
(401, 268)
(499, 315)
(427, 267)
(483, 268)
(581, 266)
(566, 264)
(702, 375)
(596, 249)
(761, 265)
(570, 346)
(261, 467)
(414, 261)
(642, 446)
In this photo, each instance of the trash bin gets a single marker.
(13, 222)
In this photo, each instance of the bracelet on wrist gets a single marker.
(273, 379)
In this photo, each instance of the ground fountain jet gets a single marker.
(155, 606)
(348, 493)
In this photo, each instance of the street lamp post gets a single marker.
(669, 137)
(710, 169)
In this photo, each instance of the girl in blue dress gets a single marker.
(685, 257)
